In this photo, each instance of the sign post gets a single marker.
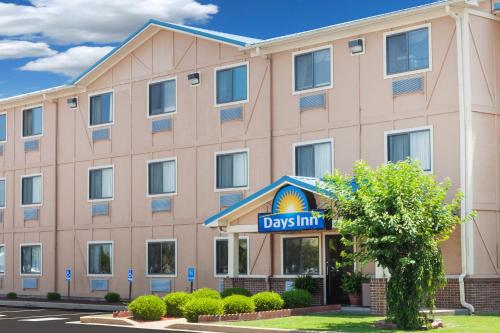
(130, 278)
(191, 276)
(68, 280)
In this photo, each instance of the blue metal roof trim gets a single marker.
(222, 37)
(302, 182)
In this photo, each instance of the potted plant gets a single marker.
(351, 284)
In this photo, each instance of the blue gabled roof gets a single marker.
(235, 40)
(306, 183)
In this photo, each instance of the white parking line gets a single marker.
(12, 311)
(45, 319)
(52, 315)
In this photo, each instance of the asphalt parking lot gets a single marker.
(23, 320)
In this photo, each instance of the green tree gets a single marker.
(398, 215)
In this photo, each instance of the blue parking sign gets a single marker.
(68, 274)
(191, 276)
(130, 275)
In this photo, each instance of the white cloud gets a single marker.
(70, 63)
(100, 21)
(17, 49)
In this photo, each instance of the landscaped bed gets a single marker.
(359, 323)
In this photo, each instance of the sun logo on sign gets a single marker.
(290, 199)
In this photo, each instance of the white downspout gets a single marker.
(461, 23)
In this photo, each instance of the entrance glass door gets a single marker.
(335, 270)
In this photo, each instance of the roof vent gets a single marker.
(357, 46)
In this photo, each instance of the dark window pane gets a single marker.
(162, 97)
(304, 71)
(304, 161)
(224, 171)
(418, 49)
(221, 257)
(100, 259)
(224, 86)
(301, 256)
(32, 121)
(161, 258)
(397, 54)
(101, 109)
(399, 147)
(3, 127)
(322, 68)
(239, 83)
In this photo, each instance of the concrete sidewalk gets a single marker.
(63, 305)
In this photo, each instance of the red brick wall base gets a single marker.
(255, 285)
(482, 293)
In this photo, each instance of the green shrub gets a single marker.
(147, 307)
(352, 283)
(297, 298)
(305, 282)
(53, 296)
(267, 301)
(206, 293)
(238, 304)
(175, 302)
(235, 291)
(202, 306)
(11, 295)
(112, 297)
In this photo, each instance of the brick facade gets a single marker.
(482, 293)
(255, 285)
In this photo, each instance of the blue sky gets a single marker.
(66, 36)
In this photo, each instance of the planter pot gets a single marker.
(355, 299)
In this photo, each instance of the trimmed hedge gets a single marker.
(202, 306)
(53, 296)
(147, 307)
(175, 302)
(238, 304)
(112, 297)
(267, 301)
(297, 298)
(11, 295)
(235, 291)
(206, 293)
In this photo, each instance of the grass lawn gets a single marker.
(360, 323)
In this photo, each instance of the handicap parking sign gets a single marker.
(130, 275)
(68, 274)
(191, 274)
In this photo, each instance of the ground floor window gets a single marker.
(162, 257)
(300, 255)
(100, 258)
(2, 259)
(222, 256)
(31, 259)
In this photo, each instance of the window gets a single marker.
(162, 177)
(100, 258)
(313, 69)
(31, 190)
(3, 127)
(162, 257)
(300, 255)
(232, 170)
(162, 97)
(414, 144)
(222, 256)
(2, 259)
(101, 183)
(101, 109)
(408, 51)
(313, 160)
(32, 121)
(231, 84)
(2, 192)
(31, 259)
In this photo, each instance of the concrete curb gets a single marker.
(65, 306)
(233, 329)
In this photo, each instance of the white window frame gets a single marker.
(21, 259)
(4, 259)
(22, 121)
(97, 93)
(5, 194)
(7, 125)
(216, 69)
(282, 254)
(410, 130)
(215, 255)
(319, 48)
(112, 166)
(313, 142)
(227, 152)
(21, 190)
(399, 31)
(147, 177)
(112, 261)
(159, 80)
(147, 257)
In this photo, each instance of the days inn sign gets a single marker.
(291, 212)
